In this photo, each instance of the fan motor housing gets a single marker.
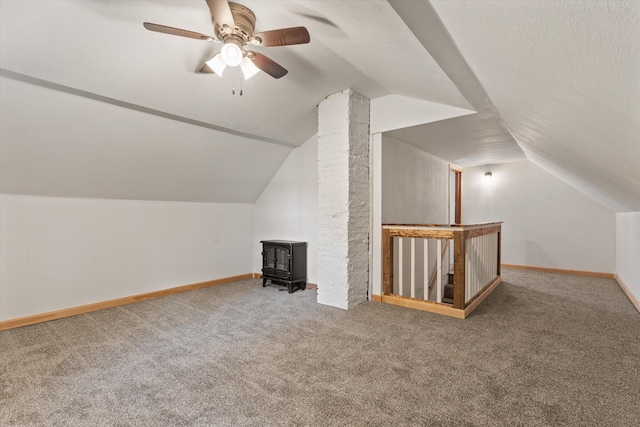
(245, 21)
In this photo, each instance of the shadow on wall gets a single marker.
(535, 255)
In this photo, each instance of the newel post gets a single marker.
(459, 238)
(387, 260)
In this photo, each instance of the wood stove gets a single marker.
(284, 262)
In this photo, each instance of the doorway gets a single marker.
(455, 198)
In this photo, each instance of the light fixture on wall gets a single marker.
(487, 176)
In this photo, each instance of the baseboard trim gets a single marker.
(429, 306)
(376, 298)
(88, 308)
(627, 292)
(560, 270)
(484, 293)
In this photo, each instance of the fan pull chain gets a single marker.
(233, 88)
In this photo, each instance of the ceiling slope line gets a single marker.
(424, 22)
(105, 99)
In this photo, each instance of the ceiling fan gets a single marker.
(233, 25)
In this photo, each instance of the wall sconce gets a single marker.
(487, 176)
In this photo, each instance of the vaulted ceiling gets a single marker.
(94, 105)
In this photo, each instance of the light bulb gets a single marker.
(249, 69)
(231, 53)
(217, 65)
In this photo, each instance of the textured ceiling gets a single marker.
(70, 68)
(565, 77)
(471, 140)
(466, 141)
(101, 47)
(557, 79)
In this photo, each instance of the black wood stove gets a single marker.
(284, 262)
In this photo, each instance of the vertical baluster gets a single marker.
(425, 242)
(469, 271)
(491, 251)
(438, 270)
(490, 260)
(400, 265)
(413, 267)
(479, 267)
(487, 262)
(475, 268)
(485, 259)
(480, 264)
(483, 262)
(490, 254)
(476, 277)
(494, 262)
(489, 257)
(496, 255)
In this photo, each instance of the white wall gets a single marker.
(410, 186)
(628, 250)
(57, 253)
(288, 207)
(547, 223)
(59, 144)
(415, 185)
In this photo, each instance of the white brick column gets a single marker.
(343, 199)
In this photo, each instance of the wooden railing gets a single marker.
(475, 270)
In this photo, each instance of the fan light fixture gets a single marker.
(217, 64)
(249, 69)
(234, 25)
(231, 53)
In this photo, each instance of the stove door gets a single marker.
(282, 262)
(269, 261)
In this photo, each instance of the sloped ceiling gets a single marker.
(565, 78)
(559, 79)
(101, 47)
(83, 85)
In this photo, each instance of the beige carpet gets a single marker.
(542, 350)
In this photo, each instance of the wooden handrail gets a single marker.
(487, 250)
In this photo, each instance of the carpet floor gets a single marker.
(542, 350)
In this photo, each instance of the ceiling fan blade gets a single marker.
(283, 37)
(177, 32)
(221, 12)
(267, 65)
(205, 69)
